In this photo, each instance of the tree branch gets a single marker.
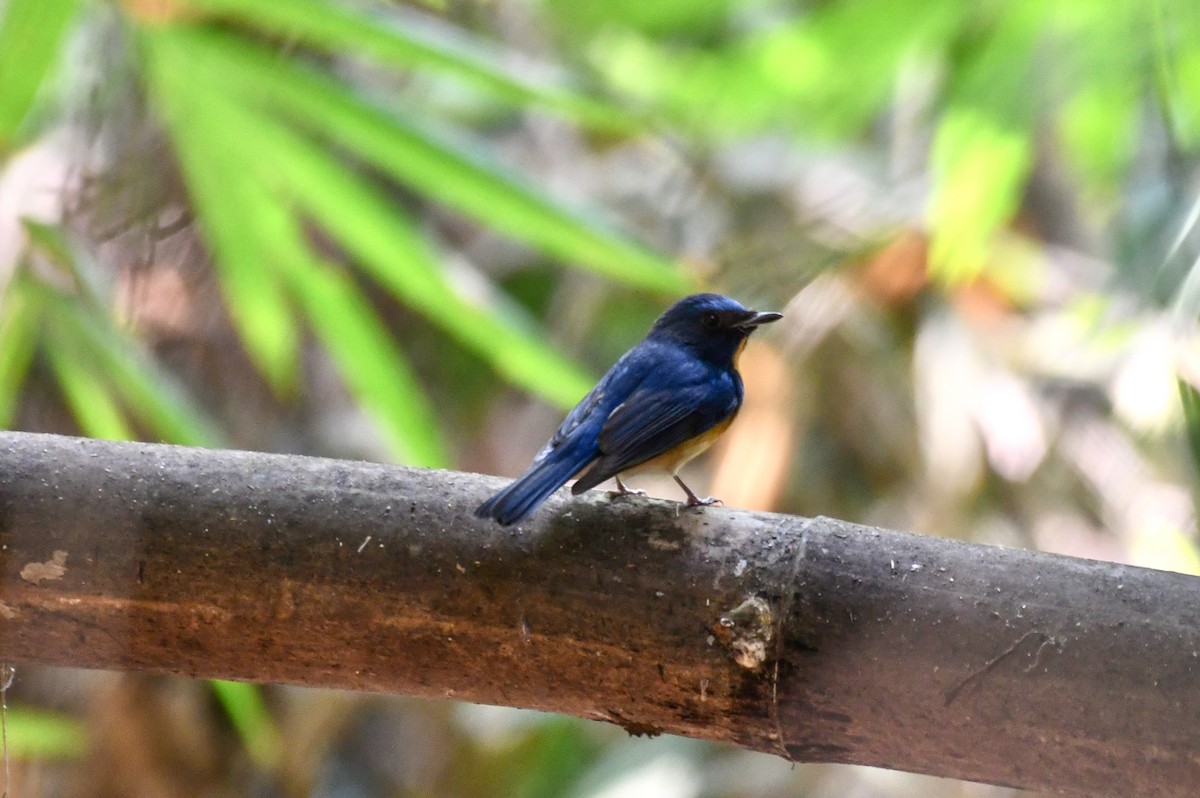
(813, 639)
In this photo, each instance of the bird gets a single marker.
(661, 404)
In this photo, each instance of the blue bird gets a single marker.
(664, 402)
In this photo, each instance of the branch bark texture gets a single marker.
(814, 639)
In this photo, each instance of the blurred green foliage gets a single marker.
(247, 711)
(105, 376)
(988, 81)
(39, 734)
(32, 35)
(991, 79)
(227, 96)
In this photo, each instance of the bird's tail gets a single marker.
(532, 488)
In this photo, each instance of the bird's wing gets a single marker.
(579, 414)
(655, 420)
(620, 380)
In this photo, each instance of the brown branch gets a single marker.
(814, 639)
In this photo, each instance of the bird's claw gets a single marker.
(707, 502)
(616, 494)
(624, 491)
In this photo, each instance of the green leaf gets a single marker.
(1098, 131)
(150, 395)
(361, 218)
(270, 231)
(980, 168)
(1177, 68)
(404, 38)
(31, 38)
(388, 248)
(52, 242)
(995, 75)
(85, 391)
(87, 329)
(1190, 399)
(18, 341)
(983, 148)
(41, 734)
(462, 177)
(93, 360)
(373, 367)
(249, 279)
(252, 720)
(369, 360)
(793, 76)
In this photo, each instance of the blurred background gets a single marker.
(417, 232)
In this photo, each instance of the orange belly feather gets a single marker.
(676, 458)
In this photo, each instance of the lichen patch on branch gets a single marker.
(54, 568)
(747, 630)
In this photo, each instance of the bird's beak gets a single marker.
(755, 318)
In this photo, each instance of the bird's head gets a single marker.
(713, 326)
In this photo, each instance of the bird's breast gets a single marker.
(674, 459)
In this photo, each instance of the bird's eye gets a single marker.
(710, 320)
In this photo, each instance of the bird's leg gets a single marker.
(624, 491)
(695, 501)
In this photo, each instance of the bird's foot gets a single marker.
(695, 501)
(624, 491)
(617, 494)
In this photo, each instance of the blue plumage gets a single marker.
(661, 404)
